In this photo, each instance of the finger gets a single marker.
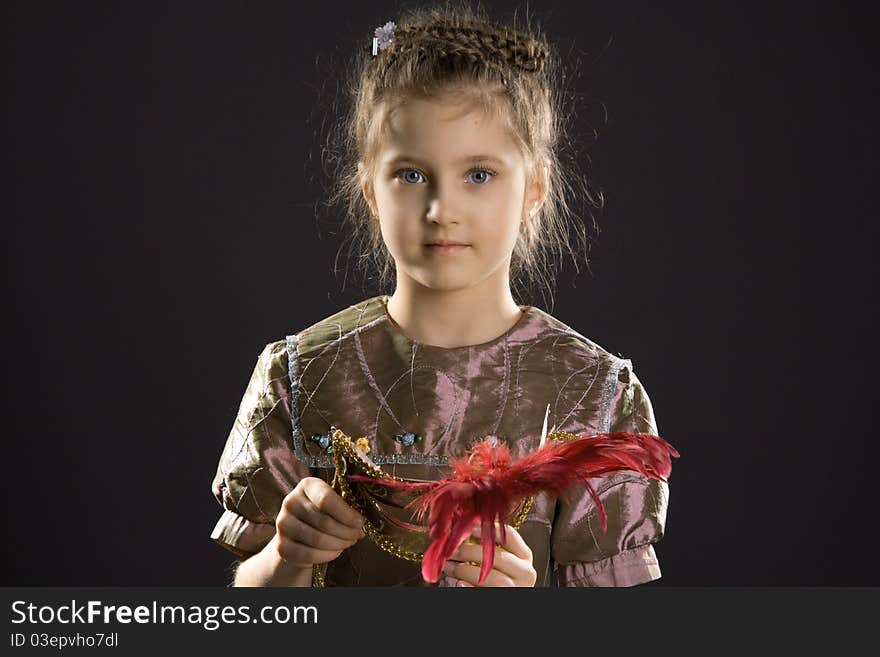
(455, 556)
(306, 511)
(292, 527)
(504, 561)
(301, 555)
(513, 542)
(330, 503)
(451, 582)
(471, 574)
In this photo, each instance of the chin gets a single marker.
(443, 281)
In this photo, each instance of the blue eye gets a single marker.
(480, 176)
(407, 175)
(475, 176)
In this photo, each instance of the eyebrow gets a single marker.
(401, 159)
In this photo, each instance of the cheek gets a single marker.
(499, 214)
(399, 233)
(398, 204)
(399, 226)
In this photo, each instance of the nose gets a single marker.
(442, 205)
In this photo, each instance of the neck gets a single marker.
(453, 318)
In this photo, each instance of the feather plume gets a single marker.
(486, 486)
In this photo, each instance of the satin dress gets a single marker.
(418, 405)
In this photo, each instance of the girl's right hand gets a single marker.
(315, 524)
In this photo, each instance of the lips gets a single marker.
(446, 243)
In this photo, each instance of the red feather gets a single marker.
(486, 487)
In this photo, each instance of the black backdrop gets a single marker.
(164, 163)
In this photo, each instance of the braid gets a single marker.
(490, 44)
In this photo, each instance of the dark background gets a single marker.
(165, 173)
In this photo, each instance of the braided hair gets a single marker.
(456, 48)
(483, 43)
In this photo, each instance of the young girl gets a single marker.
(456, 183)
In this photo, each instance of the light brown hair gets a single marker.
(505, 69)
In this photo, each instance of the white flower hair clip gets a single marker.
(383, 37)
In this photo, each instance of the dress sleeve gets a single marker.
(635, 506)
(257, 468)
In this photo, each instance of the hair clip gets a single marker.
(383, 37)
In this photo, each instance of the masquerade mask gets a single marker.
(486, 487)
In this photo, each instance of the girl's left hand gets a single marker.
(512, 565)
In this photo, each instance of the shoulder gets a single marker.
(269, 378)
(321, 333)
(579, 347)
(272, 360)
(341, 325)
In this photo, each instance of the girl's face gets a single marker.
(448, 173)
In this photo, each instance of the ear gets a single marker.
(367, 189)
(537, 189)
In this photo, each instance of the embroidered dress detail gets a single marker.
(323, 440)
(420, 404)
(608, 391)
(407, 439)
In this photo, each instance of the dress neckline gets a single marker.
(525, 312)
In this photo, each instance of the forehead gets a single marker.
(431, 128)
